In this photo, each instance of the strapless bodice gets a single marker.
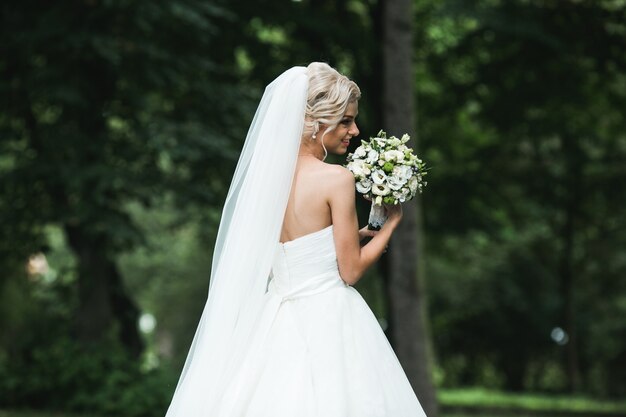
(306, 265)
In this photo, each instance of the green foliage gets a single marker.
(119, 106)
(169, 276)
(103, 379)
(109, 103)
(124, 119)
(43, 366)
(522, 125)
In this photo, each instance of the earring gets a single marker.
(314, 136)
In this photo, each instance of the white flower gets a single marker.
(378, 200)
(379, 176)
(405, 138)
(394, 141)
(394, 155)
(402, 195)
(380, 189)
(380, 141)
(398, 195)
(360, 152)
(359, 168)
(354, 167)
(364, 186)
(372, 156)
(413, 185)
(394, 182)
(403, 172)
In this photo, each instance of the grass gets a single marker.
(483, 415)
(21, 413)
(472, 402)
(43, 414)
(482, 398)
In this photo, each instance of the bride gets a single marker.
(283, 332)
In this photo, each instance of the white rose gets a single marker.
(360, 152)
(380, 189)
(394, 182)
(399, 195)
(356, 168)
(359, 168)
(394, 155)
(367, 168)
(364, 186)
(379, 176)
(372, 156)
(403, 172)
(388, 156)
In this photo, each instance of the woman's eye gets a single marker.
(346, 121)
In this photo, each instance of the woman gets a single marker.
(283, 333)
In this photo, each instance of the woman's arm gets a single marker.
(365, 232)
(352, 259)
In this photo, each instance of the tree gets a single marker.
(408, 312)
(109, 103)
(522, 120)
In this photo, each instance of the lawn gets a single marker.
(534, 404)
(42, 414)
(473, 402)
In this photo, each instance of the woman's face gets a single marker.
(337, 141)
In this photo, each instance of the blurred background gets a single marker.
(120, 127)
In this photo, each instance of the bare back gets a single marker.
(308, 208)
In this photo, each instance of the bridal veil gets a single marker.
(249, 230)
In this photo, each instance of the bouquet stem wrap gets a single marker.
(377, 217)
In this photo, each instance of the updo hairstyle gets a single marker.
(328, 97)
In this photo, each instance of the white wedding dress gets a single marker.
(281, 335)
(317, 349)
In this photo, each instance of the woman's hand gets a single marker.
(394, 213)
(365, 232)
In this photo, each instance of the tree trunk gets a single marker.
(566, 273)
(573, 183)
(102, 300)
(406, 268)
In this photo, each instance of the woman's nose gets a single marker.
(355, 130)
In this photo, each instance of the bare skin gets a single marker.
(323, 194)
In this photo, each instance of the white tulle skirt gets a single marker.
(316, 350)
(320, 355)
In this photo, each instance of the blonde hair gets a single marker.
(328, 97)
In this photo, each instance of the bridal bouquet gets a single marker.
(386, 172)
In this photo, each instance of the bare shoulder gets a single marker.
(339, 176)
(338, 181)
